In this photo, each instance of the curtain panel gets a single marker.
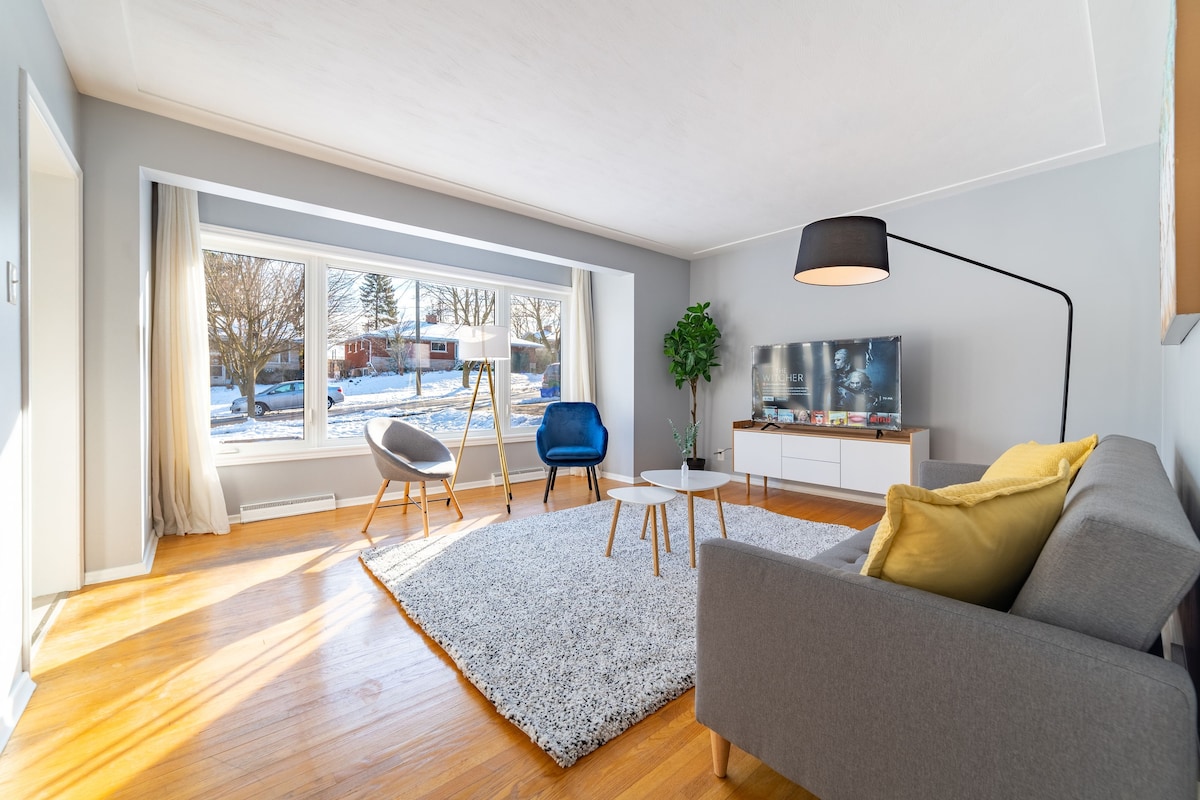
(185, 490)
(579, 369)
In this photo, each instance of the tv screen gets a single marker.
(846, 382)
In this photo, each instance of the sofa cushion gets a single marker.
(1123, 553)
(974, 541)
(1033, 460)
(848, 554)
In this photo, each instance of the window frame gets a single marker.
(318, 259)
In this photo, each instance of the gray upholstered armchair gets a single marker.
(859, 688)
(404, 452)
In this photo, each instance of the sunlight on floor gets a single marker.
(124, 731)
(128, 600)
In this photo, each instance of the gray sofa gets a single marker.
(858, 688)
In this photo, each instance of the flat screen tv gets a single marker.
(847, 382)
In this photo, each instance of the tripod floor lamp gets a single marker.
(485, 344)
(844, 251)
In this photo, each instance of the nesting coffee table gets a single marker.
(698, 480)
(652, 497)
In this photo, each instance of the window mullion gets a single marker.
(504, 368)
(315, 299)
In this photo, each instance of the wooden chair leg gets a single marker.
(595, 481)
(720, 753)
(549, 480)
(375, 505)
(407, 501)
(453, 499)
(424, 510)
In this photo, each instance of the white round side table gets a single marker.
(651, 497)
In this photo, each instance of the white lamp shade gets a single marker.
(483, 343)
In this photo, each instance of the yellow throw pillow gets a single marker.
(1033, 460)
(975, 542)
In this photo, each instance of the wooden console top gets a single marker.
(830, 431)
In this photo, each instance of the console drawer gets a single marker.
(823, 473)
(812, 448)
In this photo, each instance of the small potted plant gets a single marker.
(691, 347)
(686, 441)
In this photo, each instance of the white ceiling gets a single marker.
(684, 126)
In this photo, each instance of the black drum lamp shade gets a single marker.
(846, 251)
(843, 251)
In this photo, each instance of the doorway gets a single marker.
(50, 287)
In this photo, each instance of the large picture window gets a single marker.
(296, 368)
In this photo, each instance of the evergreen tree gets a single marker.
(378, 298)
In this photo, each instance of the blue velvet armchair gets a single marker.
(572, 435)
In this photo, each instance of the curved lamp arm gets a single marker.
(1062, 431)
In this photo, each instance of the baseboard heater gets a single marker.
(273, 509)
(517, 476)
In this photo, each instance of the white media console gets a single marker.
(855, 459)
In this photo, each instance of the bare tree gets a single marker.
(344, 312)
(398, 340)
(461, 305)
(538, 319)
(255, 311)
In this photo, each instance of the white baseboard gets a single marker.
(622, 478)
(394, 496)
(432, 489)
(14, 706)
(128, 571)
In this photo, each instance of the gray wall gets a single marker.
(1181, 454)
(612, 292)
(982, 354)
(124, 149)
(232, 213)
(26, 43)
(1181, 429)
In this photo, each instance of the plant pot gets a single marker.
(695, 463)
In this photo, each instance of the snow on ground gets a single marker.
(441, 407)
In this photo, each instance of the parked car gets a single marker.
(283, 396)
(551, 381)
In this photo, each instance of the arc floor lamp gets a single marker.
(845, 251)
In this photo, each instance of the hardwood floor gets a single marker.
(269, 663)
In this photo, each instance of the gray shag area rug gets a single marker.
(572, 647)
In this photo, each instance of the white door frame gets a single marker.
(32, 112)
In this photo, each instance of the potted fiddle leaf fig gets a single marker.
(691, 350)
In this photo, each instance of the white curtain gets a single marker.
(579, 364)
(185, 491)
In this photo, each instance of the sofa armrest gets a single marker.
(856, 687)
(933, 474)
